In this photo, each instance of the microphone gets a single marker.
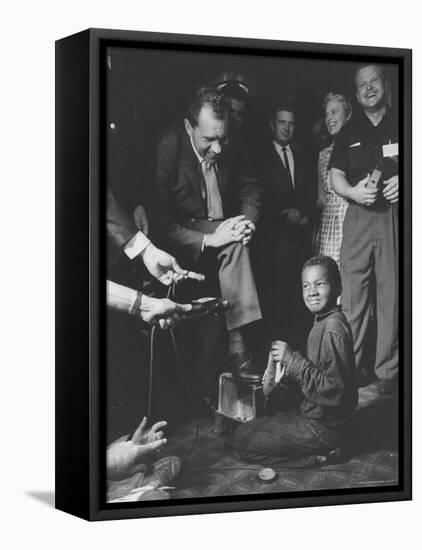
(207, 306)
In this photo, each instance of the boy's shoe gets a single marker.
(163, 472)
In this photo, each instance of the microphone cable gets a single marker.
(170, 294)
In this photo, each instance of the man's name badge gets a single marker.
(390, 150)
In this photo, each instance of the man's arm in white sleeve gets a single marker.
(136, 245)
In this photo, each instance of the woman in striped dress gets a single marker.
(330, 232)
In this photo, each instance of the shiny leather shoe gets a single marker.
(242, 368)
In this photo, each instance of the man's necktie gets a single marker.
(214, 206)
(287, 166)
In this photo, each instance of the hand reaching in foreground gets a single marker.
(126, 458)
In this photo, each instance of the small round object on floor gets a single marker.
(267, 475)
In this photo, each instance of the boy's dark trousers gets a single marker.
(273, 439)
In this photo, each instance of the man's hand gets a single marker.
(145, 437)
(125, 458)
(226, 233)
(291, 216)
(164, 267)
(361, 194)
(164, 311)
(246, 229)
(304, 222)
(281, 352)
(391, 189)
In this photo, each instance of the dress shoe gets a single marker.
(243, 369)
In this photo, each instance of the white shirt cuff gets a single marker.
(136, 245)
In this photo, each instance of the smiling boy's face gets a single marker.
(319, 293)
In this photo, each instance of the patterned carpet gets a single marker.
(214, 469)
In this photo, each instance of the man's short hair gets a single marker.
(331, 267)
(339, 97)
(282, 106)
(207, 96)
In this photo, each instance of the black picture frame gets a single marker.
(80, 280)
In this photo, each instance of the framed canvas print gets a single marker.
(233, 274)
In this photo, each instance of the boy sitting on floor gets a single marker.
(326, 377)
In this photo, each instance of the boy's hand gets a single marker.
(281, 352)
(143, 436)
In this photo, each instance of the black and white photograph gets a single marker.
(254, 274)
(210, 262)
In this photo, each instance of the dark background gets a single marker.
(147, 91)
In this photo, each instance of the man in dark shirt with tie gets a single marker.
(285, 233)
(209, 207)
(369, 251)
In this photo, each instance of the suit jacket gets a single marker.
(182, 190)
(279, 195)
(120, 228)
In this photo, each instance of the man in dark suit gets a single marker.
(127, 348)
(123, 236)
(210, 208)
(285, 232)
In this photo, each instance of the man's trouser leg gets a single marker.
(237, 285)
(386, 274)
(356, 267)
(236, 278)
